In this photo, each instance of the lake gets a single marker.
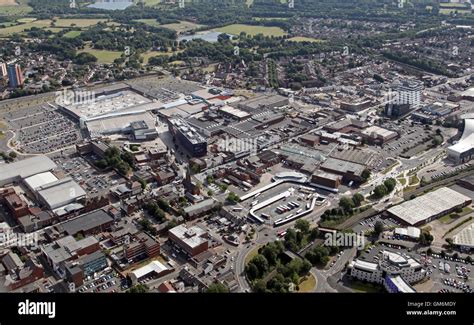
(111, 4)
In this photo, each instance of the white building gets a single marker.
(390, 266)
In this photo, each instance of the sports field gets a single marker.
(304, 39)
(236, 29)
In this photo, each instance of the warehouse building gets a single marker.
(465, 238)
(60, 193)
(376, 134)
(349, 171)
(428, 207)
(90, 223)
(22, 169)
(154, 269)
(326, 180)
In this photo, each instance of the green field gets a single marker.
(103, 56)
(304, 39)
(78, 22)
(182, 26)
(151, 22)
(20, 28)
(236, 29)
(72, 33)
(21, 8)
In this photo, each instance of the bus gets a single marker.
(281, 233)
(254, 203)
(237, 209)
(265, 216)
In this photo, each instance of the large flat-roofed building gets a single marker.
(90, 223)
(430, 206)
(234, 113)
(36, 181)
(191, 240)
(195, 210)
(465, 238)
(25, 168)
(376, 134)
(60, 193)
(261, 102)
(188, 137)
(349, 171)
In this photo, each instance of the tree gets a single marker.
(365, 174)
(139, 288)
(233, 198)
(314, 233)
(380, 191)
(426, 238)
(390, 184)
(378, 227)
(357, 199)
(469, 259)
(12, 154)
(346, 203)
(302, 225)
(217, 288)
(261, 263)
(252, 271)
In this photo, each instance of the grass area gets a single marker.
(307, 284)
(72, 33)
(358, 286)
(413, 180)
(22, 27)
(86, 22)
(236, 29)
(14, 8)
(305, 39)
(103, 56)
(402, 181)
(449, 218)
(151, 22)
(182, 26)
(251, 254)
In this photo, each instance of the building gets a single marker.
(154, 269)
(60, 193)
(14, 203)
(87, 224)
(326, 180)
(87, 265)
(349, 171)
(199, 209)
(143, 245)
(465, 238)
(391, 265)
(378, 135)
(405, 96)
(310, 139)
(356, 105)
(429, 206)
(3, 70)
(15, 76)
(411, 233)
(463, 150)
(22, 169)
(188, 137)
(191, 240)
